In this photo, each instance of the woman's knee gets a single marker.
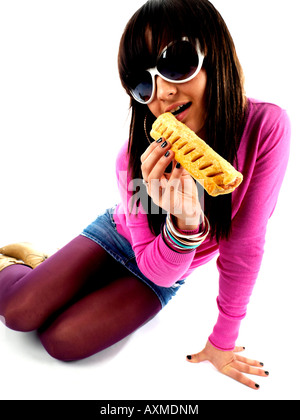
(20, 315)
(59, 340)
(16, 307)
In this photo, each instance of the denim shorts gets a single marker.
(103, 231)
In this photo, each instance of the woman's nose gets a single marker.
(164, 89)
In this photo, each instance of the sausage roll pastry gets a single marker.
(214, 173)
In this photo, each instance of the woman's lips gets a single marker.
(182, 115)
(178, 107)
(182, 112)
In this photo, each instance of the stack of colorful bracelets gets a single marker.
(183, 242)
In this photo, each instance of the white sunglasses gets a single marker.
(179, 62)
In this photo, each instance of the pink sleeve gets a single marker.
(155, 259)
(241, 256)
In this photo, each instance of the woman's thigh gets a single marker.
(28, 300)
(100, 319)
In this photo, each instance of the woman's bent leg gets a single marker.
(100, 319)
(29, 297)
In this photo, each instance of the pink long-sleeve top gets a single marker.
(262, 158)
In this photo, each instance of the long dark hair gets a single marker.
(170, 20)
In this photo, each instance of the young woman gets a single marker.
(175, 56)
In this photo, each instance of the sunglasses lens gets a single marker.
(179, 61)
(142, 87)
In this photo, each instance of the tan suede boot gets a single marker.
(7, 261)
(26, 252)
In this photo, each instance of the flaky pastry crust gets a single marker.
(214, 173)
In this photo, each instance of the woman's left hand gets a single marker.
(231, 364)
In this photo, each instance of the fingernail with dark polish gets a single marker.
(261, 364)
(257, 386)
(189, 357)
(164, 144)
(267, 373)
(178, 166)
(159, 140)
(167, 154)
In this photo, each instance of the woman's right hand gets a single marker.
(176, 192)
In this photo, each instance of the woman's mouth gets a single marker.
(181, 111)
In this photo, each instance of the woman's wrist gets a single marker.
(189, 223)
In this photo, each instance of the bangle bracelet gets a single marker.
(198, 237)
(172, 245)
(181, 242)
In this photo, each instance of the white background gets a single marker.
(63, 118)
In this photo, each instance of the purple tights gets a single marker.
(80, 300)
